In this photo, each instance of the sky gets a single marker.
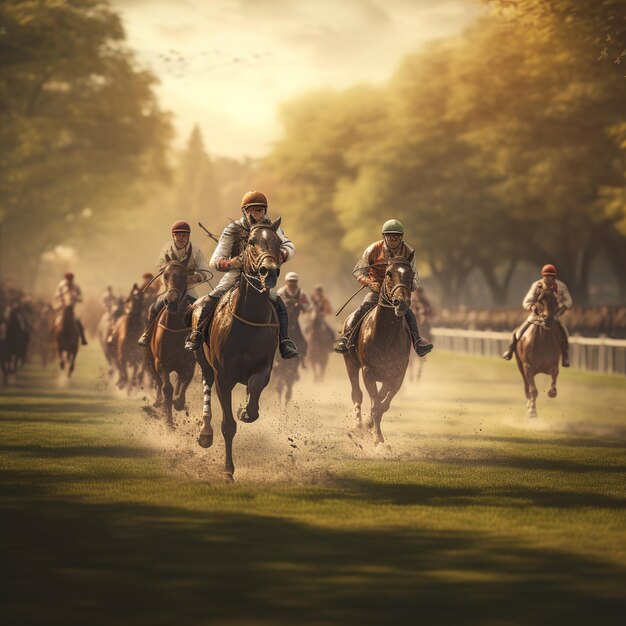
(228, 64)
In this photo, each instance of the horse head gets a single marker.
(396, 288)
(175, 281)
(261, 255)
(134, 302)
(548, 307)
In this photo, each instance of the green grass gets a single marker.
(473, 515)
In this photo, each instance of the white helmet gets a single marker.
(291, 276)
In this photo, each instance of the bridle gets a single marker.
(257, 271)
(181, 295)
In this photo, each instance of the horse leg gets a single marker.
(168, 392)
(71, 360)
(357, 394)
(529, 375)
(256, 383)
(184, 380)
(375, 412)
(552, 390)
(61, 359)
(229, 426)
(205, 439)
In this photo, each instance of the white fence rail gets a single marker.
(598, 354)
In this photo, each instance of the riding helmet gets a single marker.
(548, 270)
(292, 276)
(181, 227)
(393, 227)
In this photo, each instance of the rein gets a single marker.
(248, 322)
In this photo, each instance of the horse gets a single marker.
(43, 337)
(538, 350)
(321, 339)
(286, 372)
(105, 332)
(67, 337)
(167, 352)
(383, 347)
(243, 338)
(127, 330)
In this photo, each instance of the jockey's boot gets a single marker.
(508, 355)
(564, 343)
(288, 349)
(194, 339)
(81, 330)
(420, 345)
(343, 343)
(144, 340)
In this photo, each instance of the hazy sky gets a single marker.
(227, 64)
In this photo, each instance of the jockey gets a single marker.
(68, 293)
(320, 301)
(178, 249)
(226, 258)
(296, 301)
(378, 255)
(548, 282)
(108, 299)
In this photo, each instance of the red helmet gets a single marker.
(68, 276)
(147, 276)
(253, 198)
(181, 227)
(548, 270)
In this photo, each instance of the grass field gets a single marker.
(470, 515)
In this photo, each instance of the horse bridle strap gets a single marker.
(248, 322)
(174, 330)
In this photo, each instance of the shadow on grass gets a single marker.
(412, 494)
(70, 562)
(64, 452)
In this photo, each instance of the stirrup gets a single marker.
(422, 346)
(342, 345)
(144, 340)
(194, 341)
(288, 349)
(508, 355)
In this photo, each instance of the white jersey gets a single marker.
(67, 294)
(563, 296)
(197, 262)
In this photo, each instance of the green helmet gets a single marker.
(393, 227)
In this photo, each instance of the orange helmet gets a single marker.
(548, 270)
(181, 227)
(253, 198)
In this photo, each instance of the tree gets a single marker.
(80, 125)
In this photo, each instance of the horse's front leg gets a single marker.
(387, 393)
(552, 390)
(229, 426)
(529, 375)
(357, 394)
(168, 392)
(375, 412)
(256, 383)
(184, 380)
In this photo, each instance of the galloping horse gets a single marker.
(243, 338)
(128, 328)
(167, 346)
(383, 346)
(538, 350)
(67, 337)
(321, 339)
(286, 371)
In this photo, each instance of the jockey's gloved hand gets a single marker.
(236, 263)
(374, 286)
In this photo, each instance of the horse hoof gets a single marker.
(243, 416)
(228, 477)
(552, 393)
(533, 413)
(205, 441)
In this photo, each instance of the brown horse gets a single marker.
(321, 339)
(167, 353)
(383, 346)
(243, 338)
(67, 337)
(126, 332)
(538, 350)
(286, 371)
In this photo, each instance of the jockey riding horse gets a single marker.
(548, 282)
(370, 272)
(180, 249)
(226, 258)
